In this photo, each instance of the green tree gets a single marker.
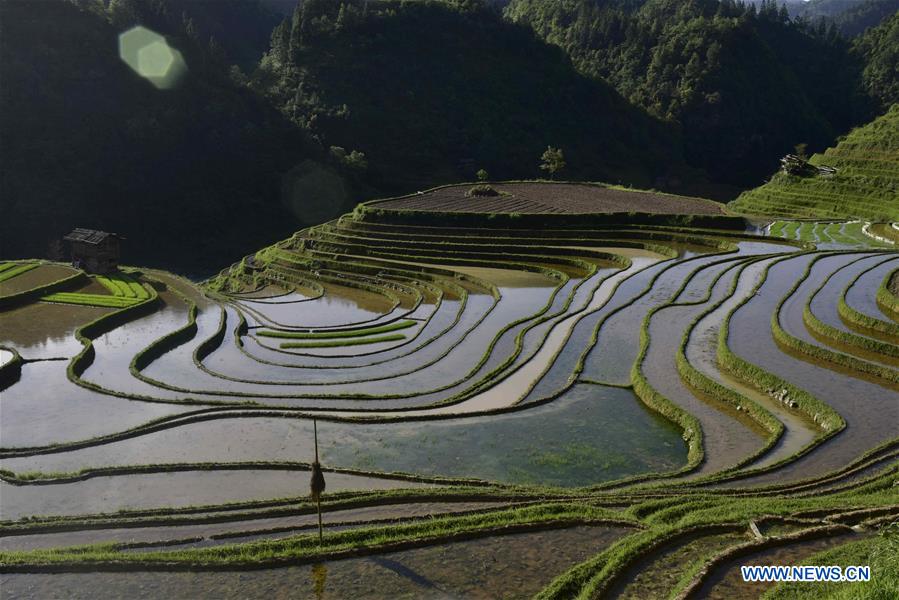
(552, 161)
(280, 43)
(482, 175)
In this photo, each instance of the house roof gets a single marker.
(89, 236)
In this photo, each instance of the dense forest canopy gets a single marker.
(293, 111)
(87, 142)
(852, 17)
(879, 50)
(435, 91)
(745, 82)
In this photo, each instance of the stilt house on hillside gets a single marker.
(94, 251)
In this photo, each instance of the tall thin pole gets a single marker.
(318, 499)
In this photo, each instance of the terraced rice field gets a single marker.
(865, 185)
(531, 402)
(836, 234)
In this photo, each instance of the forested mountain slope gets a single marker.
(432, 91)
(865, 185)
(851, 16)
(744, 84)
(878, 48)
(87, 142)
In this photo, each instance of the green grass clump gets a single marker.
(886, 299)
(97, 300)
(345, 342)
(121, 285)
(880, 552)
(125, 292)
(790, 230)
(350, 333)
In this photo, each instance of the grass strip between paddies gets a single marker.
(350, 341)
(349, 333)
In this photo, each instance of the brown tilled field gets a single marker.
(562, 198)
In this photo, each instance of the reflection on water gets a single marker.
(509, 566)
(46, 330)
(871, 411)
(589, 435)
(340, 305)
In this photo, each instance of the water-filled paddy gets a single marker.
(590, 435)
(726, 581)
(871, 410)
(728, 436)
(42, 330)
(511, 566)
(861, 295)
(701, 353)
(183, 488)
(44, 407)
(339, 306)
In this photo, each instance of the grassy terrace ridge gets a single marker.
(888, 295)
(349, 333)
(885, 374)
(10, 270)
(849, 233)
(345, 341)
(865, 186)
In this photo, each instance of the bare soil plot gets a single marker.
(548, 198)
(42, 275)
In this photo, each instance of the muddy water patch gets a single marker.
(509, 566)
(42, 330)
(657, 575)
(41, 275)
(726, 581)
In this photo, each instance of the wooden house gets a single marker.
(94, 251)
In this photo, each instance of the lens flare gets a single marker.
(150, 56)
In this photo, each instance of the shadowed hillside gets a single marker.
(87, 142)
(432, 91)
(745, 84)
